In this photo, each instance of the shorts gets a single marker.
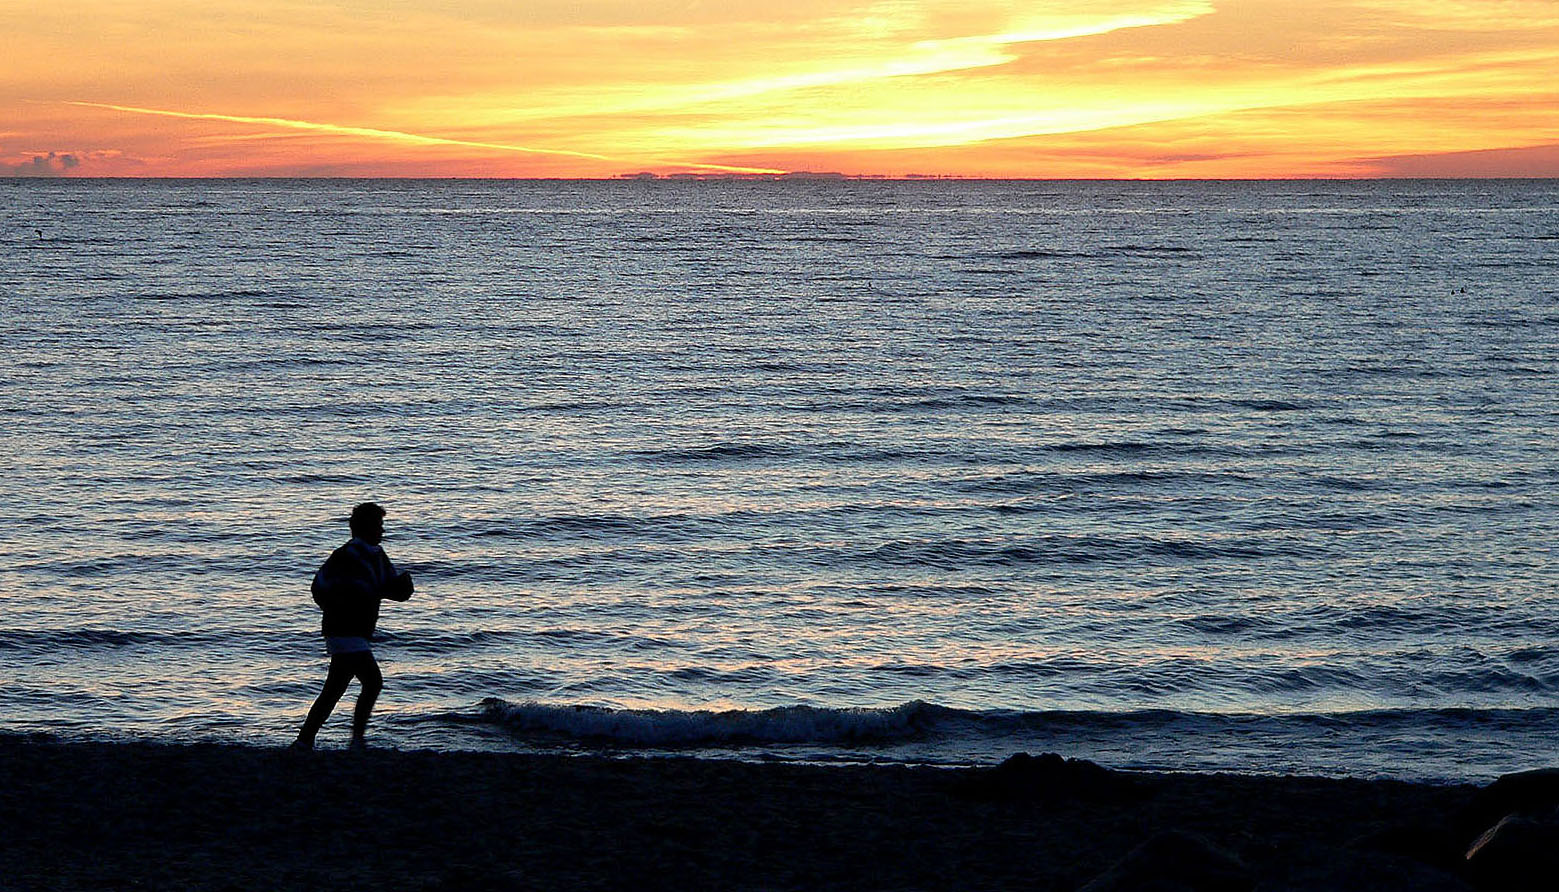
(337, 645)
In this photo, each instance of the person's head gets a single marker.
(368, 522)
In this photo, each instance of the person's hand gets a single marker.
(401, 588)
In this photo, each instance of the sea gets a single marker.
(1245, 476)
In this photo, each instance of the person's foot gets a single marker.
(301, 746)
(359, 745)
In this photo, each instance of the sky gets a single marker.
(602, 88)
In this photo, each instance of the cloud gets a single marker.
(39, 165)
(100, 162)
(1527, 161)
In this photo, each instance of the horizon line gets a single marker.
(794, 176)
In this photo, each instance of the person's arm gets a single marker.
(399, 588)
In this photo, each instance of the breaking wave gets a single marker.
(1423, 744)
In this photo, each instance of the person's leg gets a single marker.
(340, 675)
(367, 671)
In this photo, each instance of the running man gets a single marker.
(348, 590)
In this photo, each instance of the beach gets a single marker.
(209, 816)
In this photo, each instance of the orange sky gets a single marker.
(590, 88)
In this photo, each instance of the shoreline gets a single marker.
(82, 815)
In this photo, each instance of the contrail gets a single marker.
(398, 136)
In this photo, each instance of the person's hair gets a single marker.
(364, 514)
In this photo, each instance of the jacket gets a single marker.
(350, 585)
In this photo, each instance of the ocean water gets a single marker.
(1246, 476)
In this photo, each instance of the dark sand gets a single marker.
(142, 816)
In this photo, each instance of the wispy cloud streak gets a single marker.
(398, 136)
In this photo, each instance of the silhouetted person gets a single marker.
(348, 589)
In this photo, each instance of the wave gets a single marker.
(961, 553)
(1273, 405)
(56, 640)
(1144, 449)
(1025, 483)
(716, 452)
(841, 452)
(953, 401)
(1434, 745)
(919, 719)
(1032, 254)
(695, 728)
(1149, 249)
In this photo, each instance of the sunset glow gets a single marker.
(1003, 88)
